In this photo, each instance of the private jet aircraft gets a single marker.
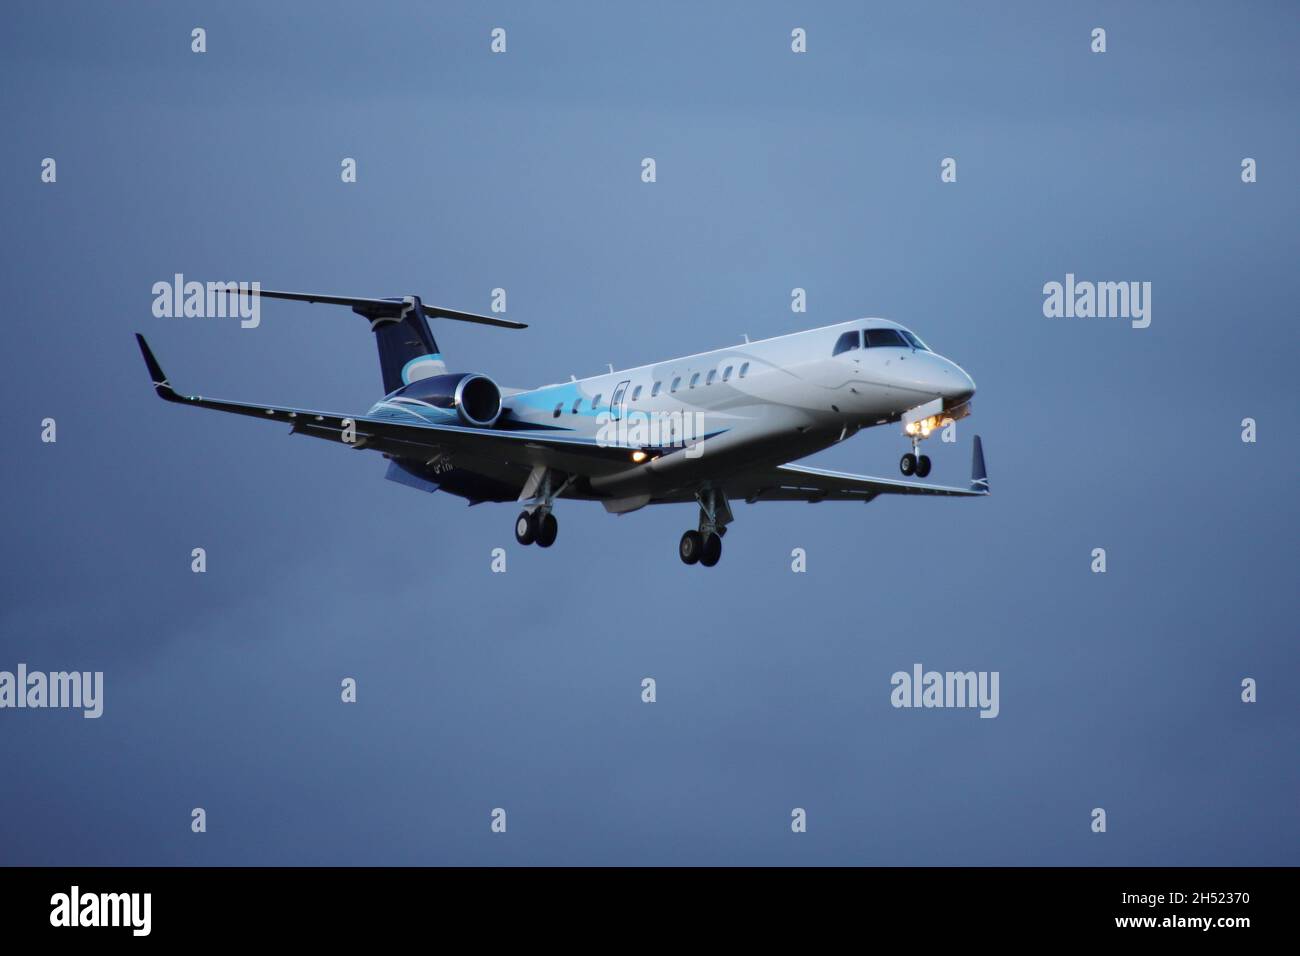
(711, 428)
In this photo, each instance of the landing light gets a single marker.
(924, 426)
(639, 456)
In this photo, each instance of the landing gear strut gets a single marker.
(704, 546)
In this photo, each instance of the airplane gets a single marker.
(711, 428)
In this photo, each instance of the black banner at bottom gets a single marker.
(343, 904)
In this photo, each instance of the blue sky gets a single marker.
(522, 690)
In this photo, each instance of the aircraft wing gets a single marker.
(524, 448)
(797, 483)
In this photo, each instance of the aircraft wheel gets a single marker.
(908, 464)
(525, 528)
(547, 528)
(691, 546)
(712, 550)
(923, 466)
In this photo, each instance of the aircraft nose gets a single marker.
(958, 386)
(949, 381)
(930, 374)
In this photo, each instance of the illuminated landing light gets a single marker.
(639, 456)
(923, 427)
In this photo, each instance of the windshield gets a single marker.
(847, 341)
(892, 338)
(880, 338)
(916, 342)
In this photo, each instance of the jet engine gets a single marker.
(475, 398)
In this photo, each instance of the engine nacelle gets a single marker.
(475, 398)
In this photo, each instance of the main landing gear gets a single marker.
(536, 527)
(537, 524)
(705, 545)
(701, 548)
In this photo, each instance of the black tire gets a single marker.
(711, 551)
(525, 528)
(547, 530)
(908, 464)
(690, 547)
(923, 466)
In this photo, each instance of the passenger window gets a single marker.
(676, 382)
(848, 341)
(744, 370)
(558, 408)
(882, 338)
(695, 379)
(713, 373)
(726, 373)
(655, 391)
(576, 405)
(636, 393)
(595, 402)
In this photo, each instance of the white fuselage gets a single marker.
(774, 400)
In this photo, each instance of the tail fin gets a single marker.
(407, 349)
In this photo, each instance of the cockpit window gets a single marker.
(916, 342)
(847, 341)
(881, 338)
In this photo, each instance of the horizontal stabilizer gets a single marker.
(389, 308)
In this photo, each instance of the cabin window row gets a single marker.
(658, 387)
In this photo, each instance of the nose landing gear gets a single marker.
(914, 464)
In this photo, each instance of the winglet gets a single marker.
(160, 383)
(979, 476)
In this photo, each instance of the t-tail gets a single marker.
(407, 349)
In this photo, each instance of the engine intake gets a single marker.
(478, 401)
